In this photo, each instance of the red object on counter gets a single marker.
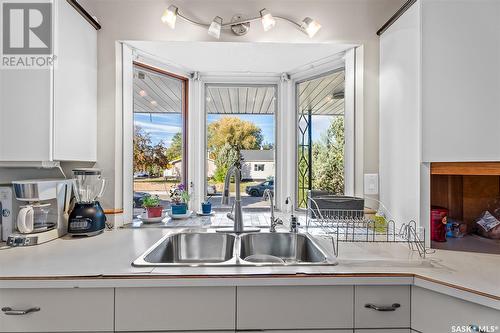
(439, 218)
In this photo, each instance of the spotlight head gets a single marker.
(310, 27)
(170, 16)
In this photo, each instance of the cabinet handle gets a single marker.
(11, 312)
(383, 308)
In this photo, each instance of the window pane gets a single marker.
(158, 135)
(241, 125)
(320, 132)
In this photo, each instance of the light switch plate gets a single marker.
(371, 183)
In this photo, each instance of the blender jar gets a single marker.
(89, 184)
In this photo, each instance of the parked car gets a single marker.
(258, 190)
(138, 197)
(211, 189)
(138, 175)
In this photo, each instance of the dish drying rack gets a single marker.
(342, 225)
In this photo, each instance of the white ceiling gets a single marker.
(239, 57)
(323, 95)
(241, 99)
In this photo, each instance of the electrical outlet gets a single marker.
(371, 183)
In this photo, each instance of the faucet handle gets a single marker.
(294, 224)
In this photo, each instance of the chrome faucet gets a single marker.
(274, 221)
(236, 214)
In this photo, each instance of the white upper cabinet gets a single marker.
(447, 101)
(75, 87)
(460, 80)
(51, 114)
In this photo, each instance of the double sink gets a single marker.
(195, 248)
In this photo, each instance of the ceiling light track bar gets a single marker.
(240, 25)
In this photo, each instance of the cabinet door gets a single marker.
(170, 309)
(434, 312)
(60, 310)
(460, 81)
(75, 87)
(25, 115)
(391, 330)
(295, 307)
(371, 300)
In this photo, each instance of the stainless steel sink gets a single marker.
(191, 249)
(226, 249)
(282, 248)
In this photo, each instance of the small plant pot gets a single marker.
(179, 209)
(154, 211)
(206, 207)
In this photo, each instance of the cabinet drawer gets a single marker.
(435, 312)
(179, 308)
(295, 307)
(381, 296)
(61, 310)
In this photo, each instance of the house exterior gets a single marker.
(257, 164)
(175, 170)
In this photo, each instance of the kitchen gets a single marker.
(363, 254)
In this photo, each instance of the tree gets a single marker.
(240, 134)
(159, 159)
(227, 137)
(267, 146)
(148, 157)
(226, 157)
(328, 159)
(175, 150)
(142, 144)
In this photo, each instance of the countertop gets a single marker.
(105, 261)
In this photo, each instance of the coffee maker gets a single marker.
(87, 217)
(43, 211)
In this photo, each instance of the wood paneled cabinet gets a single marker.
(51, 114)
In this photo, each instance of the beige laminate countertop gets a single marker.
(105, 260)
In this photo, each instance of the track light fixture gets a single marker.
(170, 16)
(238, 24)
(268, 21)
(215, 27)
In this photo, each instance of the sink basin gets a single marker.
(283, 248)
(189, 249)
(192, 248)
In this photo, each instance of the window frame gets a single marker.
(346, 63)
(246, 81)
(184, 114)
(126, 57)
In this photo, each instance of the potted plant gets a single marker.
(206, 206)
(180, 198)
(152, 205)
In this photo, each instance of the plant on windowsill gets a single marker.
(180, 198)
(152, 205)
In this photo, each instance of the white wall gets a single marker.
(347, 21)
(400, 117)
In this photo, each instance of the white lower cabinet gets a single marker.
(56, 310)
(433, 312)
(175, 308)
(294, 307)
(385, 330)
(382, 307)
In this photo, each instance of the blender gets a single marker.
(87, 217)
